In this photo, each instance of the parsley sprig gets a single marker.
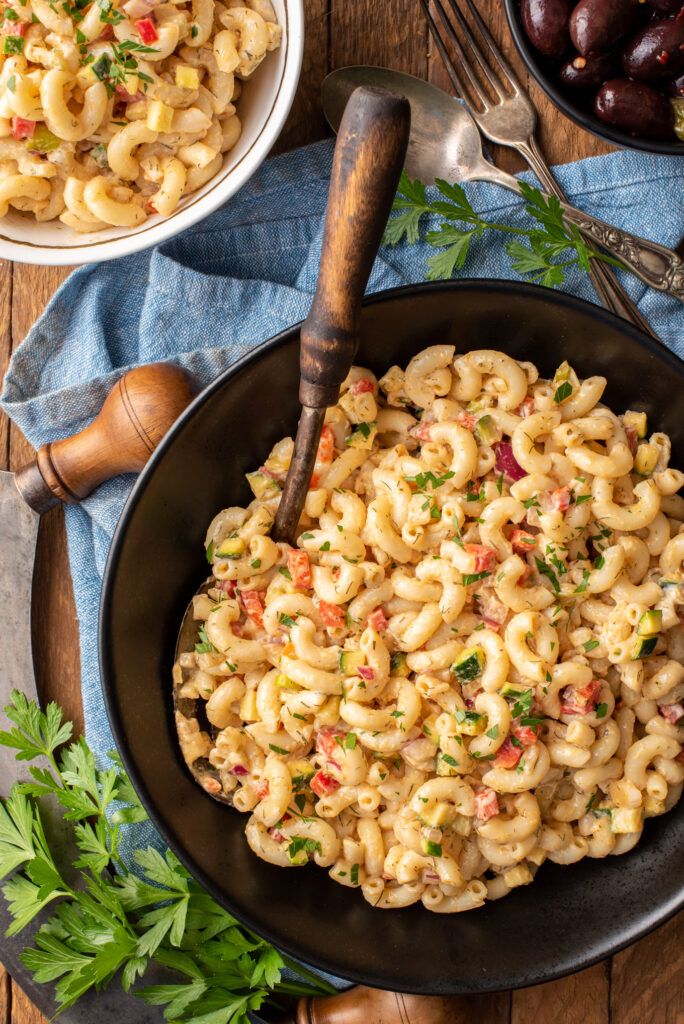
(108, 920)
(545, 255)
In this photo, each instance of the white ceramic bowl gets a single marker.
(263, 107)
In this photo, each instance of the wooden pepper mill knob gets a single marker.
(140, 408)
(373, 1006)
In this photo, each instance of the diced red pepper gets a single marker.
(526, 734)
(508, 754)
(15, 28)
(362, 387)
(467, 420)
(300, 569)
(421, 431)
(263, 790)
(227, 586)
(251, 599)
(485, 557)
(331, 615)
(366, 672)
(377, 620)
(327, 740)
(486, 804)
(107, 32)
(323, 784)
(326, 445)
(557, 501)
(526, 407)
(22, 128)
(147, 31)
(580, 701)
(671, 712)
(314, 481)
(523, 542)
(239, 770)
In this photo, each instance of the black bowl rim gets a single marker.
(490, 985)
(576, 114)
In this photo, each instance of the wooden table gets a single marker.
(643, 984)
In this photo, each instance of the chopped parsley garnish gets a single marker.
(601, 710)
(278, 750)
(302, 844)
(256, 564)
(590, 645)
(473, 577)
(306, 536)
(205, 645)
(325, 546)
(285, 572)
(493, 733)
(584, 584)
(422, 480)
(451, 761)
(545, 570)
(499, 483)
(350, 741)
(581, 498)
(531, 502)
(562, 392)
(433, 849)
(354, 874)
(286, 620)
(523, 704)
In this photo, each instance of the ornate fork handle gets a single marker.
(657, 266)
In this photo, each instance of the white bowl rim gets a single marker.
(98, 251)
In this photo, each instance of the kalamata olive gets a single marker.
(546, 25)
(589, 72)
(675, 88)
(657, 51)
(635, 107)
(666, 6)
(599, 24)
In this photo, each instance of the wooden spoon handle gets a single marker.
(369, 154)
(138, 411)
(372, 1006)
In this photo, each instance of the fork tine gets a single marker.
(450, 66)
(477, 50)
(509, 76)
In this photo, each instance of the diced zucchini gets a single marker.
(562, 373)
(650, 623)
(42, 140)
(469, 723)
(281, 456)
(446, 765)
(487, 431)
(284, 683)
(436, 816)
(638, 421)
(509, 690)
(301, 767)
(350, 661)
(430, 848)
(678, 108)
(231, 547)
(363, 436)
(398, 666)
(469, 664)
(646, 459)
(262, 484)
(644, 646)
(624, 820)
(476, 405)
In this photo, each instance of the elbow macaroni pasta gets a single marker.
(472, 660)
(113, 110)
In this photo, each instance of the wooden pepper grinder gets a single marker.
(362, 1005)
(136, 414)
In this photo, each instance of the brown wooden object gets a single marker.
(369, 154)
(138, 411)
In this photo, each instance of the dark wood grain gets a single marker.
(644, 984)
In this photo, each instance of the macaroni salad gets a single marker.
(111, 111)
(472, 662)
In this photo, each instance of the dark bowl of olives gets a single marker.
(616, 67)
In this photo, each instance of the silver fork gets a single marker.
(510, 120)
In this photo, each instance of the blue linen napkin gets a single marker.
(207, 297)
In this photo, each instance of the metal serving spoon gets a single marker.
(446, 143)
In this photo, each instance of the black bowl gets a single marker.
(571, 916)
(546, 74)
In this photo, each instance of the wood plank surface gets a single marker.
(643, 984)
